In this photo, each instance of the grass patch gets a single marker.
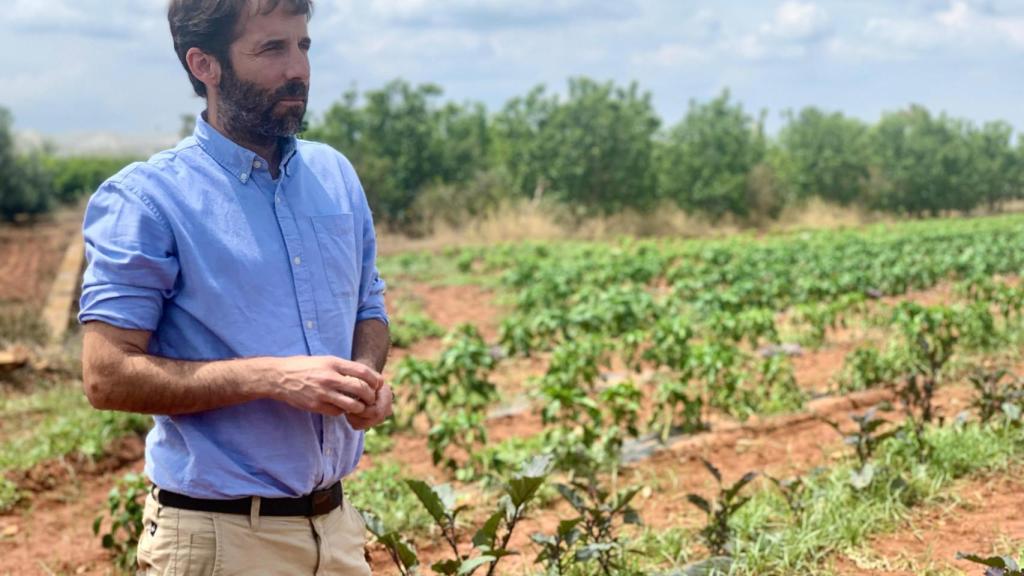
(838, 517)
(409, 325)
(381, 491)
(64, 423)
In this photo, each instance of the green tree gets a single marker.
(824, 155)
(593, 151)
(74, 177)
(996, 167)
(403, 141)
(923, 163)
(25, 185)
(707, 158)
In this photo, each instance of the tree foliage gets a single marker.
(708, 157)
(593, 151)
(823, 155)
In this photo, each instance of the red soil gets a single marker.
(30, 255)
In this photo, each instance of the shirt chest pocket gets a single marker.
(336, 240)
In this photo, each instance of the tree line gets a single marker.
(601, 148)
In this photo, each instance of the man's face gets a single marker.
(265, 84)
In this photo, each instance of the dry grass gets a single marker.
(539, 222)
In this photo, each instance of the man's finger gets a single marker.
(347, 403)
(360, 371)
(356, 388)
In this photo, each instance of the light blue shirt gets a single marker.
(200, 246)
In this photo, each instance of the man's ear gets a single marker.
(204, 67)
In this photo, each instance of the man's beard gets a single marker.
(246, 111)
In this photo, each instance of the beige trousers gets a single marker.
(178, 542)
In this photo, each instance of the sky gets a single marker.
(81, 66)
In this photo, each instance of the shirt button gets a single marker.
(278, 199)
(310, 324)
(257, 164)
(297, 260)
(243, 177)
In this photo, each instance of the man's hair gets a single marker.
(212, 25)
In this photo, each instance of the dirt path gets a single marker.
(30, 255)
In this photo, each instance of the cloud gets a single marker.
(799, 22)
(489, 14)
(794, 27)
(953, 24)
(113, 19)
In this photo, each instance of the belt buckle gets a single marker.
(321, 502)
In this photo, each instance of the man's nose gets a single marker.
(298, 66)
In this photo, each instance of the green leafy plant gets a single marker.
(124, 509)
(676, 408)
(452, 393)
(717, 533)
(994, 395)
(411, 327)
(9, 495)
(490, 541)
(594, 535)
(794, 492)
(463, 430)
(866, 368)
(865, 440)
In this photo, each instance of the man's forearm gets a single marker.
(371, 344)
(153, 385)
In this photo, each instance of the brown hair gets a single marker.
(212, 25)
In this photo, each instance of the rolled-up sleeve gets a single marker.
(371, 285)
(132, 266)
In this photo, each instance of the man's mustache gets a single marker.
(292, 90)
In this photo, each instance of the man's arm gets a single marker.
(371, 344)
(118, 374)
(370, 347)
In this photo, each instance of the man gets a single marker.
(232, 292)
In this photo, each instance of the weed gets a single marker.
(717, 533)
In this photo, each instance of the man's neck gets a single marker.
(265, 147)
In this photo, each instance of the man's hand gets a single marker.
(376, 413)
(325, 384)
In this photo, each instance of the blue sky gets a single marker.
(108, 65)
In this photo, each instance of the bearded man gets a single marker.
(232, 292)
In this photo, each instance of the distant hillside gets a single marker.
(95, 143)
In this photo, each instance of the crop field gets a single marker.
(833, 402)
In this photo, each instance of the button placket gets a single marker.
(300, 274)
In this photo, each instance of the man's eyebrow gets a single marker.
(270, 43)
(279, 42)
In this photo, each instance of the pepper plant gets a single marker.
(490, 542)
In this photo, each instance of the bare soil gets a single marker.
(31, 254)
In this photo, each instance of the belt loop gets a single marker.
(254, 514)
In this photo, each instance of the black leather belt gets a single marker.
(315, 504)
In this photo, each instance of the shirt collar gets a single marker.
(234, 158)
